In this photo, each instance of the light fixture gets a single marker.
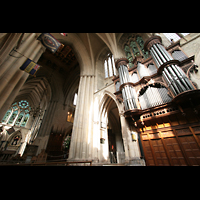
(134, 137)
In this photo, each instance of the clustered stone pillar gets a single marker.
(12, 78)
(128, 92)
(82, 138)
(173, 74)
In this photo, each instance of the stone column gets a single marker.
(124, 129)
(13, 79)
(81, 142)
(132, 150)
(168, 67)
(14, 56)
(11, 41)
(46, 125)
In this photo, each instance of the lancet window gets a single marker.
(135, 47)
(75, 99)
(18, 114)
(109, 66)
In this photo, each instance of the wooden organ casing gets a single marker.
(165, 105)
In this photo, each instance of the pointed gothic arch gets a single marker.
(111, 142)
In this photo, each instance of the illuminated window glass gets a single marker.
(184, 34)
(171, 36)
(106, 69)
(17, 114)
(109, 66)
(25, 119)
(135, 47)
(19, 119)
(7, 115)
(13, 116)
(75, 99)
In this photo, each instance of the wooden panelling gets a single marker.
(173, 146)
(191, 149)
(160, 153)
(148, 153)
(175, 153)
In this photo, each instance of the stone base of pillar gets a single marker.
(136, 162)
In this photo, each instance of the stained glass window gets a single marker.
(7, 115)
(19, 119)
(25, 120)
(17, 114)
(135, 47)
(23, 104)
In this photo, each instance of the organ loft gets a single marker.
(119, 99)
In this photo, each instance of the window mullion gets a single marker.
(138, 46)
(131, 52)
(22, 119)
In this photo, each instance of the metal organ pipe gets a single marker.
(163, 50)
(169, 83)
(120, 76)
(127, 74)
(128, 92)
(163, 94)
(185, 77)
(125, 99)
(123, 74)
(147, 100)
(159, 99)
(159, 53)
(176, 79)
(154, 58)
(129, 97)
(156, 55)
(181, 77)
(155, 96)
(150, 97)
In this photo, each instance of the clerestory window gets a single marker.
(109, 66)
(75, 99)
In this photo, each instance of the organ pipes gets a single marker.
(172, 74)
(128, 92)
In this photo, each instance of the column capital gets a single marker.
(151, 41)
(121, 61)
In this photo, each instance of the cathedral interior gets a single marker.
(100, 99)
